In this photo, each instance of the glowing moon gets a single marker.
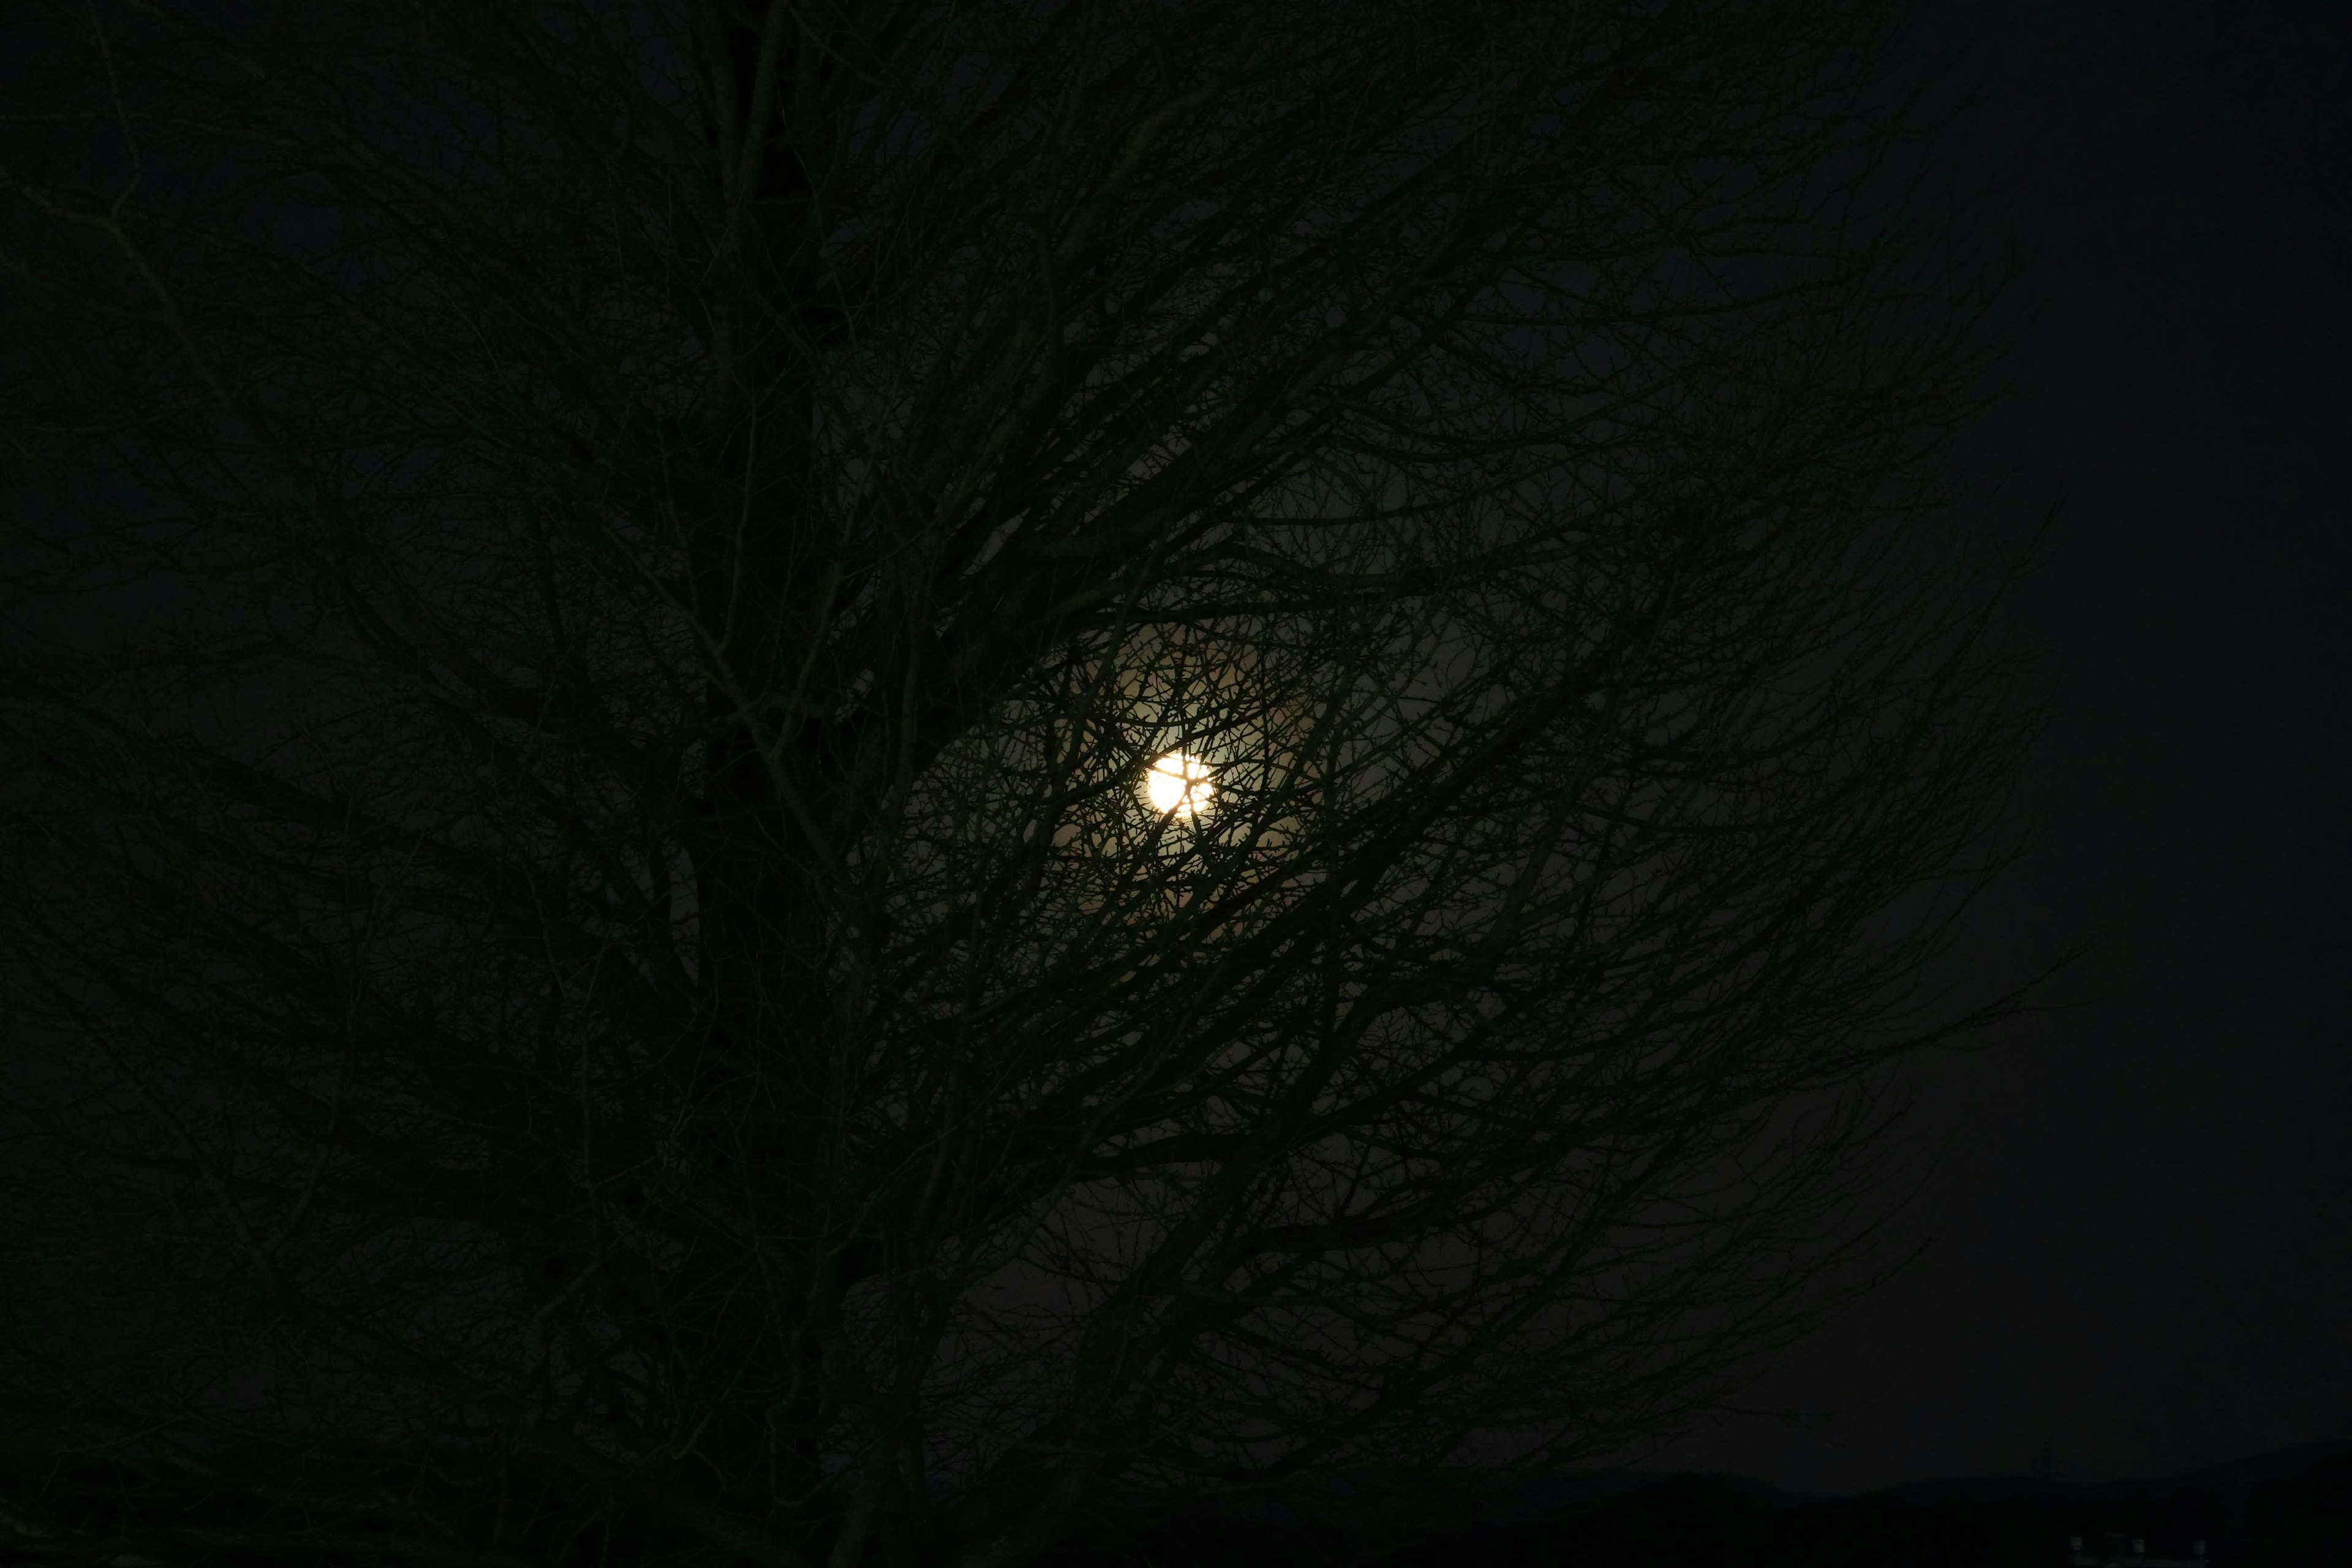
(1179, 782)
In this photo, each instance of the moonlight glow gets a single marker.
(1179, 782)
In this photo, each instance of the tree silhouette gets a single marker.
(601, 963)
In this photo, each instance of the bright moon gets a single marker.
(1179, 784)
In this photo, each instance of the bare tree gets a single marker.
(812, 780)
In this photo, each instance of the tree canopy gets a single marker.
(601, 963)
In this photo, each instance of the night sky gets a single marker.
(2148, 1259)
(2146, 1263)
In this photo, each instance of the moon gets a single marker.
(1179, 784)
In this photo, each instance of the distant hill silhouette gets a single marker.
(2288, 1509)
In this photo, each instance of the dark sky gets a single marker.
(2147, 1264)
(2149, 1258)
